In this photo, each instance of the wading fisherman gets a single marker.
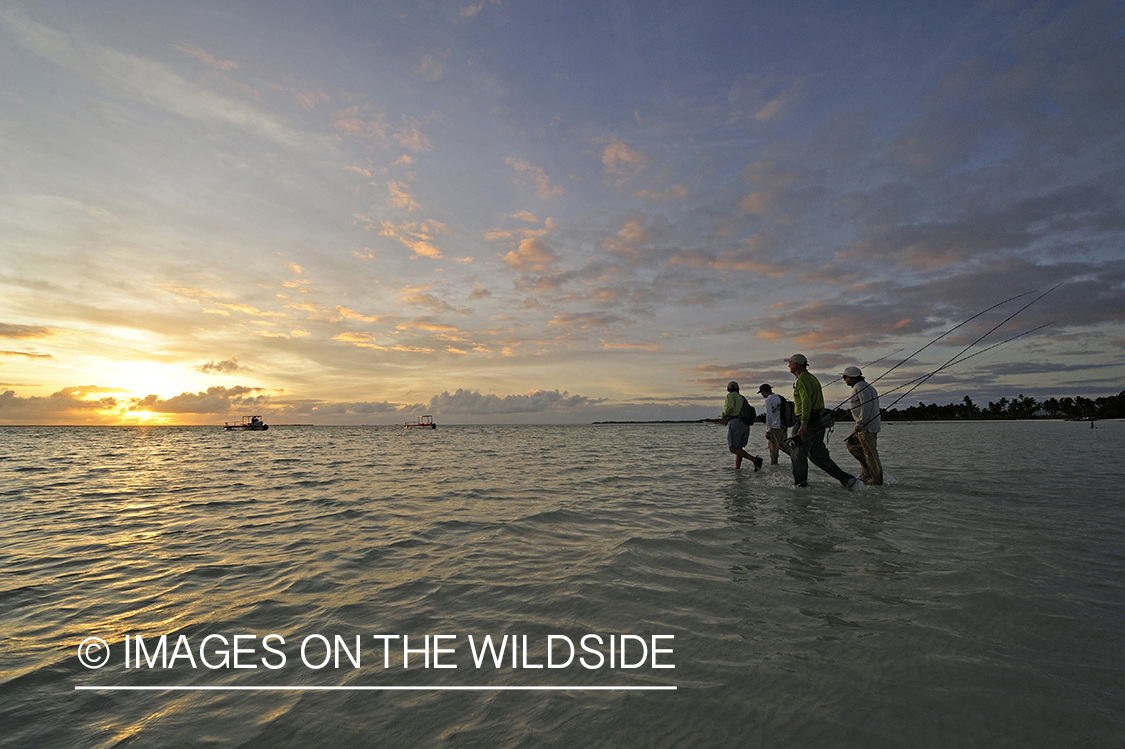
(738, 414)
(775, 430)
(864, 405)
(808, 435)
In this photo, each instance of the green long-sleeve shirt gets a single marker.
(733, 404)
(807, 396)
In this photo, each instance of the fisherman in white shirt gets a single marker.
(864, 405)
(775, 430)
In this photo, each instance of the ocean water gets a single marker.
(976, 600)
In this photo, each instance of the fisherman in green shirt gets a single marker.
(737, 415)
(808, 403)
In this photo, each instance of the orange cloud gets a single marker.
(622, 162)
(418, 237)
(411, 138)
(739, 260)
(400, 197)
(544, 190)
(756, 202)
(350, 123)
(637, 346)
(309, 100)
(363, 340)
(8, 330)
(532, 255)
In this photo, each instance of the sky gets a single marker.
(542, 212)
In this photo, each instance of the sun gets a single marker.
(143, 418)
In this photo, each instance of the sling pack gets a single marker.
(746, 413)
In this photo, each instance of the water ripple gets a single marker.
(974, 600)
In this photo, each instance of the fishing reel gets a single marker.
(852, 440)
(793, 442)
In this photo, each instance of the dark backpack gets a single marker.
(746, 413)
(788, 413)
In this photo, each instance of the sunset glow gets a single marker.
(547, 212)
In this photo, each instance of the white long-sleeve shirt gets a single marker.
(773, 411)
(864, 405)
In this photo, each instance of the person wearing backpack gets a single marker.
(779, 416)
(807, 442)
(738, 415)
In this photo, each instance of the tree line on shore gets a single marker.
(1020, 407)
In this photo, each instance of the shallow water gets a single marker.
(975, 600)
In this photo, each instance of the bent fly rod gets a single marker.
(956, 359)
(956, 362)
(955, 327)
(974, 343)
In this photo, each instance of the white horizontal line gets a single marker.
(179, 688)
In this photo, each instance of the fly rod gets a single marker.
(955, 327)
(958, 355)
(795, 441)
(964, 359)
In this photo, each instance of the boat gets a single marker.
(248, 424)
(426, 422)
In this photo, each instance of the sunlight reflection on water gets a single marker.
(979, 591)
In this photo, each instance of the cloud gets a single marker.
(417, 296)
(400, 197)
(583, 322)
(67, 404)
(309, 99)
(371, 127)
(225, 367)
(630, 346)
(764, 97)
(635, 241)
(472, 402)
(500, 234)
(218, 68)
(362, 340)
(27, 354)
(206, 58)
(314, 408)
(428, 68)
(544, 190)
(739, 260)
(153, 83)
(338, 314)
(417, 236)
(410, 137)
(532, 255)
(756, 202)
(9, 330)
(215, 400)
(1073, 214)
(472, 9)
(621, 162)
(675, 191)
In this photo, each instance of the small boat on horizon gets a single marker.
(248, 424)
(426, 422)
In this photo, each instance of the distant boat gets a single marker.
(426, 422)
(249, 424)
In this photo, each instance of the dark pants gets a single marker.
(812, 448)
